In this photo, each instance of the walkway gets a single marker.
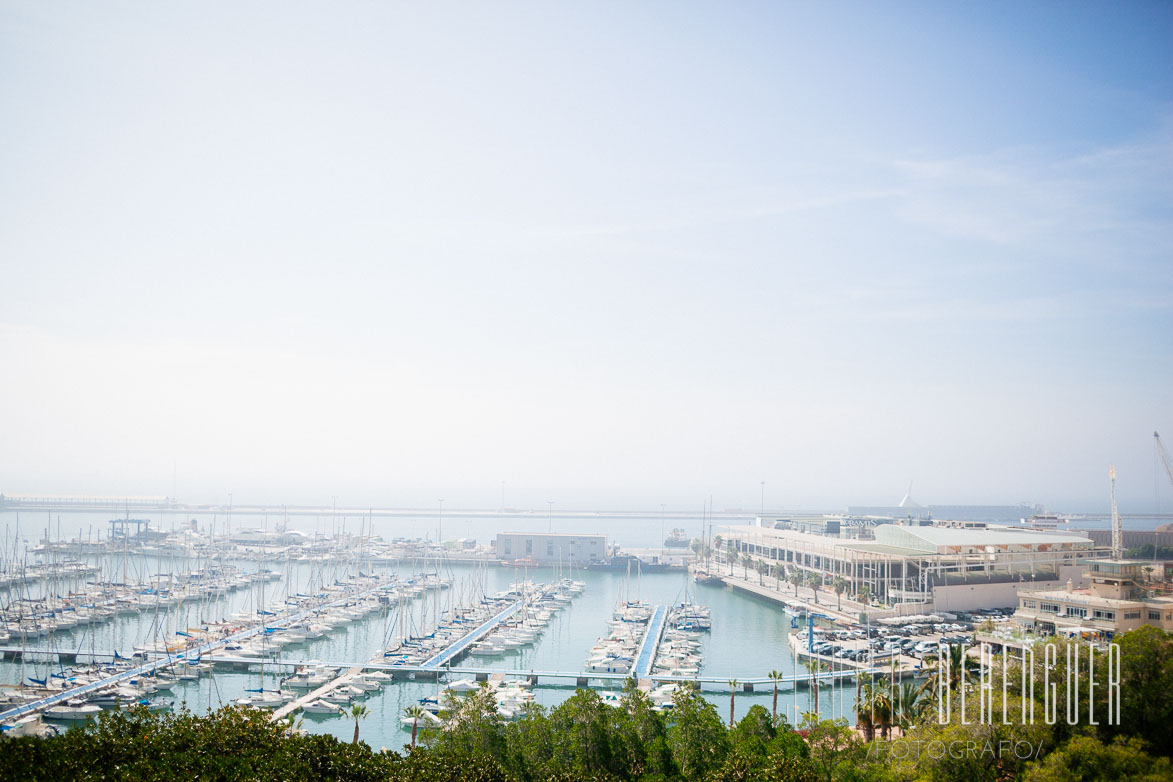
(801, 678)
(447, 654)
(651, 642)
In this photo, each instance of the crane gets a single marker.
(1117, 529)
(1164, 455)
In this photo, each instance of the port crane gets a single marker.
(1164, 455)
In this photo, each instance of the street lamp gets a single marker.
(663, 542)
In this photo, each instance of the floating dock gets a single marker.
(433, 663)
(447, 654)
(650, 643)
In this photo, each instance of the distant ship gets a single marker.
(1044, 521)
(678, 539)
(629, 563)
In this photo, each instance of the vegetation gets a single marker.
(586, 739)
(1146, 552)
(839, 584)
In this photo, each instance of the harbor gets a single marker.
(310, 623)
(402, 610)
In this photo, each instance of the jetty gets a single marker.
(650, 643)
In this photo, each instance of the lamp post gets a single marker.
(662, 540)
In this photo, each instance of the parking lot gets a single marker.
(876, 645)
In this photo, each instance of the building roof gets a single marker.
(557, 534)
(939, 539)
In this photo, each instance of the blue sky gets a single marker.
(612, 254)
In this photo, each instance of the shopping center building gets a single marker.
(938, 566)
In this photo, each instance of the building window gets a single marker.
(1050, 608)
(1132, 614)
(1154, 616)
(1073, 611)
(1109, 615)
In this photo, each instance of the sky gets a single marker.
(609, 255)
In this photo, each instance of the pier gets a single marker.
(164, 659)
(650, 643)
(536, 675)
(447, 654)
(433, 663)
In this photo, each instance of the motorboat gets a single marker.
(321, 707)
(73, 710)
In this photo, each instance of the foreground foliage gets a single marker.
(585, 739)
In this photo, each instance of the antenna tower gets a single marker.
(1117, 529)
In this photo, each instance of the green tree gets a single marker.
(839, 584)
(1086, 759)
(814, 668)
(833, 745)
(697, 738)
(357, 711)
(775, 677)
(415, 712)
(814, 580)
(1146, 693)
(474, 730)
(959, 669)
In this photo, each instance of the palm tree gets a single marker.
(839, 584)
(814, 580)
(358, 711)
(959, 669)
(796, 579)
(908, 705)
(414, 711)
(775, 676)
(779, 574)
(814, 667)
(733, 685)
(762, 568)
(874, 709)
(864, 594)
(717, 544)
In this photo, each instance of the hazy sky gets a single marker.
(613, 254)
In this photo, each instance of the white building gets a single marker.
(936, 567)
(547, 547)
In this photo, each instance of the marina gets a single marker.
(313, 625)
(358, 648)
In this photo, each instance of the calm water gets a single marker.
(748, 639)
